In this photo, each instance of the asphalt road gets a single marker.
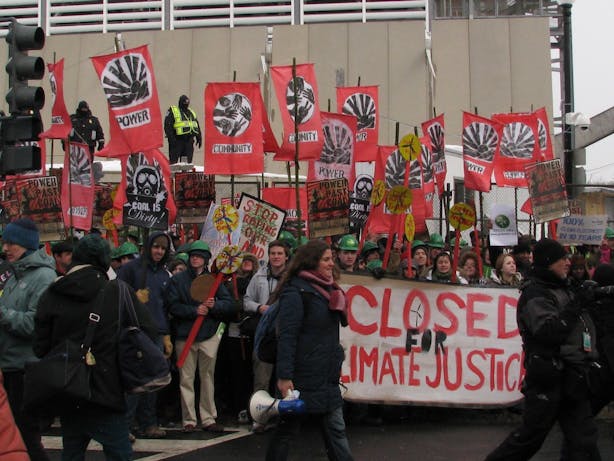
(425, 434)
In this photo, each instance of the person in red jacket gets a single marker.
(12, 447)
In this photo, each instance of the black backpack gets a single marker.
(143, 367)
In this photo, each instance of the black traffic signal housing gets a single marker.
(20, 131)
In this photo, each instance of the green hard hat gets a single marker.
(348, 243)
(436, 241)
(114, 252)
(198, 246)
(463, 243)
(303, 240)
(287, 237)
(375, 264)
(609, 233)
(417, 243)
(127, 249)
(368, 246)
(182, 257)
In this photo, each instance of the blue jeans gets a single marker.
(108, 429)
(143, 407)
(332, 427)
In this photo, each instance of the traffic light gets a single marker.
(20, 131)
(21, 68)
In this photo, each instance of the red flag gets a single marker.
(285, 199)
(309, 122)
(362, 102)
(428, 177)
(337, 157)
(143, 198)
(390, 167)
(128, 81)
(233, 123)
(519, 147)
(78, 187)
(435, 130)
(545, 141)
(481, 138)
(60, 119)
(527, 206)
(270, 143)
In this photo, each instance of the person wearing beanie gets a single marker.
(62, 253)
(558, 338)
(148, 276)
(203, 351)
(33, 271)
(63, 313)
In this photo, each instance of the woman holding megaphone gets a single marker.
(309, 355)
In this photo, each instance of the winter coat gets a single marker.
(260, 287)
(12, 447)
(142, 272)
(551, 323)
(182, 307)
(496, 281)
(18, 303)
(308, 348)
(63, 313)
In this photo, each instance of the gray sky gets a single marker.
(592, 23)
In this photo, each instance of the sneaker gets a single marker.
(243, 418)
(214, 427)
(154, 432)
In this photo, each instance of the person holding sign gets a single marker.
(203, 352)
(558, 338)
(309, 354)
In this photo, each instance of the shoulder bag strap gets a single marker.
(93, 320)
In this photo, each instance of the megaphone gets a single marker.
(263, 407)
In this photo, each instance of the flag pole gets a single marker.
(232, 176)
(299, 229)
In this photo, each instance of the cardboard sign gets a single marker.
(194, 193)
(547, 190)
(428, 343)
(582, 230)
(329, 207)
(261, 224)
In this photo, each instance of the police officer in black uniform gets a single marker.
(181, 128)
(559, 342)
(86, 128)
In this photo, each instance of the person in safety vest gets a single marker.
(181, 128)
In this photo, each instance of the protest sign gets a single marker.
(429, 343)
(194, 193)
(217, 235)
(582, 230)
(260, 224)
(78, 187)
(504, 230)
(547, 190)
(39, 200)
(329, 207)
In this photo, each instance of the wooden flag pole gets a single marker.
(299, 229)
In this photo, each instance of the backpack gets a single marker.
(267, 331)
(142, 365)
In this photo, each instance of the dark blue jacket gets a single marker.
(182, 307)
(142, 272)
(308, 348)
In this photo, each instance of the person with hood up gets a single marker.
(64, 313)
(203, 351)
(181, 129)
(148, 276)
(86, 128)
(33, 271)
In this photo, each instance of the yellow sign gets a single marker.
(398, 199)
(462, 216)
(229, 260)
(378, 193)
(410, 227)
(225, 218)
(107, 219)
(409, 147)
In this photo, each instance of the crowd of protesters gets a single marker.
(221, 361)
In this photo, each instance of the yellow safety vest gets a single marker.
(182, 126)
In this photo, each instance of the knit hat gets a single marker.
(92, 249)
(604, 275)
(22, 232)
(546, 252)
(61, 247)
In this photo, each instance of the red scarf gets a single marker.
(328, 288)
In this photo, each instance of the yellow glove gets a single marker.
(143, 295)
(168, 346)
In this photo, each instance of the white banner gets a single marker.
(577, 230)
(432, 344)
(504, 231)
